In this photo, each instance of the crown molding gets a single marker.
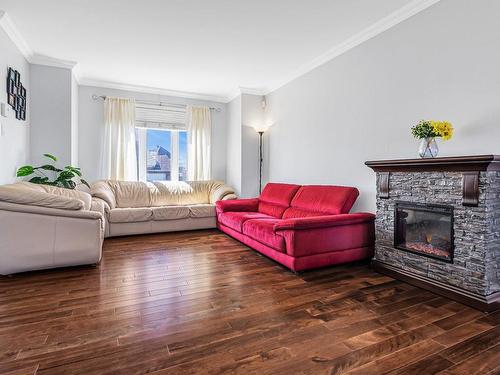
(412, 8)
(51, 61)
(393, 19)
(251, 91)
(245, 90)
(33, 58)
(151, 90)
(15, 36)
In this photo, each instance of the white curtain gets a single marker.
(119, 160)
(199, 123)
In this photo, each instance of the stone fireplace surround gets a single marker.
(471, 185)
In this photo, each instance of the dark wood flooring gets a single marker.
(202, 303)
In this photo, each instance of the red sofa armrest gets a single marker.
(324, 221)
(238, 205)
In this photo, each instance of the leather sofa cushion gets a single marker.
(235, 220)
(170, 212)
(202, 210)
(262, 230)
(130, 215)
(125, 194)
(102, 190)
(131, 193)
(276, 198)
(316, 200)
(86, 198)
(168, 193)
(44, 196)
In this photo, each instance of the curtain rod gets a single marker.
(103, 97)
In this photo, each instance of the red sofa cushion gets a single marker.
(318, 200)
(276, 198)
(235, 220)
(262, 230)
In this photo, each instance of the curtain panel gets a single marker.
(199, 121)
(119, 159)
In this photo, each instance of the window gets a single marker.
(161, 140)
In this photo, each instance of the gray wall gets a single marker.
(443, 63)
(14, 138)
(91, 128)
(52, 113)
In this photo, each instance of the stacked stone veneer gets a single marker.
(476, 260)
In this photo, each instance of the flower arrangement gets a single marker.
(432, 129)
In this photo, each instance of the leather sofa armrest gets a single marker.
(80, 214)
(324, 221)
(100, 205)
(220, 191)
(102, 190)
(238, 205)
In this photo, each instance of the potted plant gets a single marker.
(64, 178)
(428, 131)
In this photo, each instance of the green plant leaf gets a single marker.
(50, 157)
(84, 182)
(39, 180)
(25, 171)
(49, 167)
(68, 184)
(65, 175)
(74, 170)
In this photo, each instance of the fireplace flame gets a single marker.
(428, 238)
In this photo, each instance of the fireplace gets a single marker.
(424, 229)
(437, 225)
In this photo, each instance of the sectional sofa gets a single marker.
(301, 227)
(157, 207)
(46, 227)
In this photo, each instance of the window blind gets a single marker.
(160, 117)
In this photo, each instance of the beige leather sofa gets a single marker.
(45, 227)
(139, 207)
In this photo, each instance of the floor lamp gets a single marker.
(261, 159)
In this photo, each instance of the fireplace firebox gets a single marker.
(424, 229)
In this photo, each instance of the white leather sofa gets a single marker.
(45, 227)
(139, 207)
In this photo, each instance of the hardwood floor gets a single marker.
(202, 303)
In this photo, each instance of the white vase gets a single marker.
(428, 148)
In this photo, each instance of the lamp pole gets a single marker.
(261, 133)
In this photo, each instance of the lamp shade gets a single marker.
(260, 128)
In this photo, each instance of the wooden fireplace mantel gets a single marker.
(476, 163)
(470, 166)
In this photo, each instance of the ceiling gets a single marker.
(199, 46)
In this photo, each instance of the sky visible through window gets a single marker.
(162, 138)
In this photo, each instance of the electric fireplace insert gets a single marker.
(424, 229)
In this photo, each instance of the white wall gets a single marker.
(91, 125)
(52, 114)
(74, 121)
(14, 138)
(252, 116)
(443, 63)
(233, 153)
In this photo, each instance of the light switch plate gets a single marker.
(1, 130)
(4, 110)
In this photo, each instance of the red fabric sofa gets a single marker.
(301, 227)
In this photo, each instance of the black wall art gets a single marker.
(16, 94)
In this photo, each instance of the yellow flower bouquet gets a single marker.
(427, 131)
